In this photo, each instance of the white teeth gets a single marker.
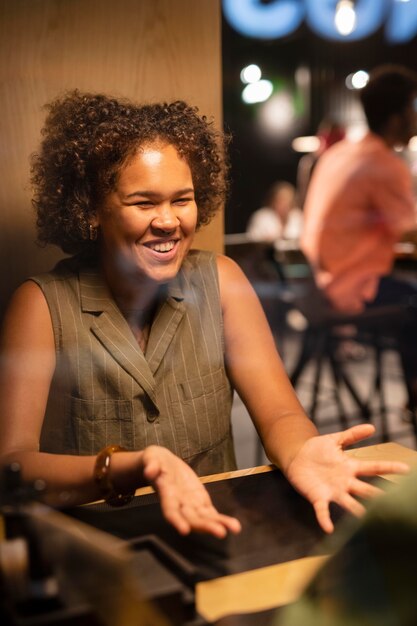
(162, 247)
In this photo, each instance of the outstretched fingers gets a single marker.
(350, 504)
(206, 519)
(203, 518)
(174, 516)
(324, 473)
(186, 504)
(346, 501)
(354, 434)
(321, 508)
(378, 468)
(364, 490)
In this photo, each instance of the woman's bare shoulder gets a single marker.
(228, 269)
(28, 294)
(27, 313)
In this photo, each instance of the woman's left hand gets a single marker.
(323, 473)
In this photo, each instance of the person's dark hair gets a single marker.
(87, 138)
(388, 92)
(277, 188)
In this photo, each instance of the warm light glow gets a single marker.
(357, 80)
(309, 143)
(250, 74)
(345, 17)
(276, 117)
(257, 92)
(356, 132)
(412, 144)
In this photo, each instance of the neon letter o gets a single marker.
(264, 21)
(369, 17)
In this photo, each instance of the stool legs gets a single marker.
(318, 344)
(379, 389)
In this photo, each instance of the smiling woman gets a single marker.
(100, 363)
(124, 370)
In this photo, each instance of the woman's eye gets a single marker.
(182, 201)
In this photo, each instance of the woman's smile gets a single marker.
(162, 247)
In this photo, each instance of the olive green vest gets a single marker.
(106, 391)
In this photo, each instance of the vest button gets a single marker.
(152, 415)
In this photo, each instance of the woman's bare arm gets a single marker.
(256, 370)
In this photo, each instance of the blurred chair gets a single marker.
(256, 259)
(322, 339)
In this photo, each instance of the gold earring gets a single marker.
(92, 231)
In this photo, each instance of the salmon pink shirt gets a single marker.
(359, 204)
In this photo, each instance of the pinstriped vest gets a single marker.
(106, 391)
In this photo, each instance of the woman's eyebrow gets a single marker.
(153, 194)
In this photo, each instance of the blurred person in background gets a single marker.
(279, 218)
(360, 203)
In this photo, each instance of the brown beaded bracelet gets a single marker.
(103, 478)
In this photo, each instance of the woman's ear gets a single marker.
(92, 227)
(93, 220)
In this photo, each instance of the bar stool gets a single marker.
(376, 328)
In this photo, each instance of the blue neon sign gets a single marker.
(264, 21)
(402, 24)
(253, 18)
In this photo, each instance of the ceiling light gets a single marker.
(250, 74)
(257, 92)
(345, 17)
(357, 80)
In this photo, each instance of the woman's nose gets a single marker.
(166, 218)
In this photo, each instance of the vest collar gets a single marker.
(96, 297)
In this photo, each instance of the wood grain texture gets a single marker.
(147, 50)
(256, 590)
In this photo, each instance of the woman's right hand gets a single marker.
(185, 501)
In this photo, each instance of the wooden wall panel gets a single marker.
(147, 50)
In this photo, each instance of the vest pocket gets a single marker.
(201, 408)
(99, 423)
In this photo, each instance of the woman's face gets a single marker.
(147, 224)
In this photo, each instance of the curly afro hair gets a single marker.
(88, 138)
